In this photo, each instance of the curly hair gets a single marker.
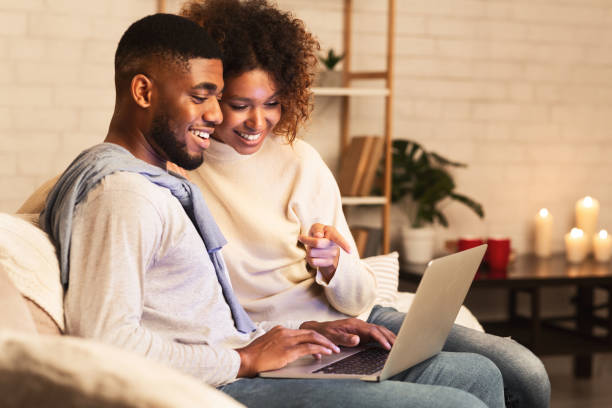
(254, 34)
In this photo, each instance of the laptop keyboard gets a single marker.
(364, 362)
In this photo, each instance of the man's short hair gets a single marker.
(161, 39)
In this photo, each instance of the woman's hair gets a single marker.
(254, 34)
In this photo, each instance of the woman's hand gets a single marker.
(351, 332)
(323, 244)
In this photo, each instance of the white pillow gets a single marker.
(68, 372)
(28, 257)
(386, 270)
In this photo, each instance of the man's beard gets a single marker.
(167, 141)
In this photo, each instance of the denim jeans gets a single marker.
(447, 380)
(525, 378)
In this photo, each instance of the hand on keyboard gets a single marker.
(352, 332)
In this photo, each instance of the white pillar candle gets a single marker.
(587, 212)
(602, 246)
(543, 233)
(575, 245)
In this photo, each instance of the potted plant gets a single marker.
(329, 76)
(420, 181)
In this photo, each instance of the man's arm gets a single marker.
(114, 241)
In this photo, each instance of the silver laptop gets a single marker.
(442, 290)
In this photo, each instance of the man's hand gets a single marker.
(351, 332)
(279, 347)
(323, 244)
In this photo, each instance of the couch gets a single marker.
(41, 367)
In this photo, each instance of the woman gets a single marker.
(290, 252)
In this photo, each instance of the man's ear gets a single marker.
(141, 90)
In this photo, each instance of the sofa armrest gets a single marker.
(69, 372)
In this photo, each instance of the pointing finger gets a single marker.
(336, 237)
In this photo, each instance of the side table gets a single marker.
(586, 331)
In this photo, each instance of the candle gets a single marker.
(543, 233)
(587, 211)
(602, 246)
(575, 245)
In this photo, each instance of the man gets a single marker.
(140, 254)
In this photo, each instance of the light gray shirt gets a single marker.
(142, 280)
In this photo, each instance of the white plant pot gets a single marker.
(418, 244)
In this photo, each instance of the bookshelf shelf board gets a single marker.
(368, 200)
(351, 91)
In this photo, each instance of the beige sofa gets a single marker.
(40, 367)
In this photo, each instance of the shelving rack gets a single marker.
(347, 91)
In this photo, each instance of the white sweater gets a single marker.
(141, 279)
(262, 202)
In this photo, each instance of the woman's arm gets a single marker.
(352, 288)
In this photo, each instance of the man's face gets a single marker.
(186, 111)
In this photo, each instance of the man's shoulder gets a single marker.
(124, 185)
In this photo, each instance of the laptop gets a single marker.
(435, 306)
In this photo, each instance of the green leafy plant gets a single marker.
(420, 181)
(331, 59)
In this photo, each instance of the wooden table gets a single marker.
(586, 331)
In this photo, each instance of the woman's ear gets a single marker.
(141, 89)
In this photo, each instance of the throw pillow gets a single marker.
(386, 270)
(28, 257)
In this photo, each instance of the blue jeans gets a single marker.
(447, 380)
(525, 378)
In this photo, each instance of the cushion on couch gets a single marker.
(29, 259)
(386, 270)
(35, 203)
(14, 313)
(67, 372)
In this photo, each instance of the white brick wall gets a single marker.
(520, 91)
(56, 84)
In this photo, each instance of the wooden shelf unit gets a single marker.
(366, 200)
(347, 91)
(339, 91)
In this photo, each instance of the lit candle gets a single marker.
(602, 246)
(575, 245)
(543, 233)
(587, 211)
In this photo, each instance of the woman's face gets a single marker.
(250, 109)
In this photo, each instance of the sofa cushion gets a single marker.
(386, 270)
(35, 203)
(29, 259)
(14, 313)
(67, 372)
